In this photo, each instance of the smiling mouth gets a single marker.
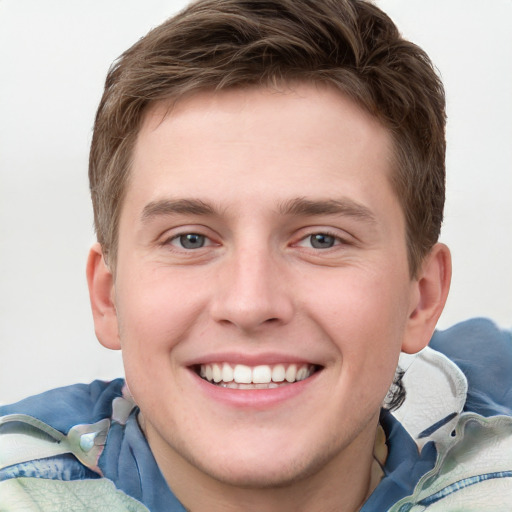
(240, 376)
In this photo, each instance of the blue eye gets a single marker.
(322, 241)
(191, 241)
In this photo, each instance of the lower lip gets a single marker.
(254, 398)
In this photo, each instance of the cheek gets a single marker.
(359, 302)
(155, 314)
(154, 317)
(365, 318)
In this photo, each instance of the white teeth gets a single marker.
(227, 372)
(291, 373)
(216, 373)
(242, 374)
(234, 385)
(261, 374)
(302, 373)
(278, 373)
(257, 377)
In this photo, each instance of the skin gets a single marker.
(273, 169)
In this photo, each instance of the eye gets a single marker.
(320, 241)
(191, 241)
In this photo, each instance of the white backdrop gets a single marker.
(54, 55)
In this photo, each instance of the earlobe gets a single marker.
(101, 293)
(431, 292)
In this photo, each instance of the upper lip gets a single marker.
(269, 358)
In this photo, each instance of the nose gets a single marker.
(252, 292)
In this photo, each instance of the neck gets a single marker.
(340, 484)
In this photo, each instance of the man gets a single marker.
(268, 186)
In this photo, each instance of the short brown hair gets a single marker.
(216, 44)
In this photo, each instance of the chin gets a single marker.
(263, 468)
(243, 474)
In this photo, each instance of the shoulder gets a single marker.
(50, 446)
(62, 408)
(473, 470)
(55, 440)
(483, 352)
(460, 401)
(79, 448)
(61, 433)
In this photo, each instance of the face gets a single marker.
(262, 292)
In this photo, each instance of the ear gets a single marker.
(101, 294)
(429, 297)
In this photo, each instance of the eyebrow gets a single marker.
(296, 207)
(176, 206)
(345, 207)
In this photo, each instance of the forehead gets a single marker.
(303, 102)
(299, 139)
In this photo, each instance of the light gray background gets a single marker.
(53, 59)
